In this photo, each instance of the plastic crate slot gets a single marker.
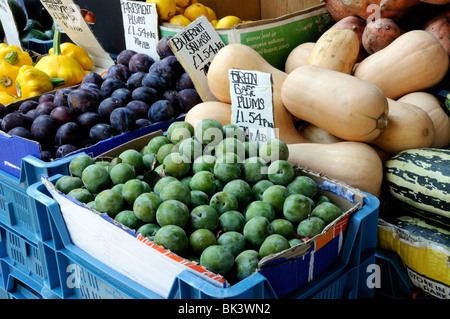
(37, 265)
(21, 201)
(15, 247)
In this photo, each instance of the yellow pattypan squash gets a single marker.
(58, 65)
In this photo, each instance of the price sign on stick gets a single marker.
(68, 16)
(195, 48)
(10, 28)
(252, 104)
(140, 23)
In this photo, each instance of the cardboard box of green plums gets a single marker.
(133, 252)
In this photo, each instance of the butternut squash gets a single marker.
(441, 122)
(354, 163)
(298, 56)
(339, 103)
(210, 109)
(241, 56)
(357, 25)
(317, 135)
(413, 62)
(336, 49)
(409, 127)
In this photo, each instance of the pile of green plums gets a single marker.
(207, 194)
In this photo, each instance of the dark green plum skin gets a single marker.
(310, 227)
(232, 220)
(172, 212)
(257, 229)
(146, 205)
(217, 259)
(129, 219)
(296, 207)
(204, 216)
(200, 239)
(303, 185)
(172, 237)
(246, 263)
(273, 244)
(327, 211)
(234, 241)
(223, 202)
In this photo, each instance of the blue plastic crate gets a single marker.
(337, 281)
(35, 261)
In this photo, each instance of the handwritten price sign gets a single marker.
(252, 104)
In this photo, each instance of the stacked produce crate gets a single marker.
(372, 155)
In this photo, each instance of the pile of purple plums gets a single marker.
(136, 91)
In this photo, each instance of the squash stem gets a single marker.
(57, 82)
(382, 122)
(57, 42)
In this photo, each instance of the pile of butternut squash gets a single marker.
(343, 113)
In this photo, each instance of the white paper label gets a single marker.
(195, 48)
(252, 104)
(68, 16)
(10, 29)
(140, 23)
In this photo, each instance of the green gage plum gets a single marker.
(203, 181)
(280, 172)
(246, 263)
(172, 237)
(217, 259)
(200, 239)
(146, 205)
(257, 229)
(296, 207)
(172, 212)
(327, 211)
(232, 220)
(240, 189)
(223, 202)
(95, 178)
(303, 185)
(273, 244)
(235, 241)
(259, 208)
(276, 195)
(79, 163)
(204, 216)
(310, 227)
(110, 202)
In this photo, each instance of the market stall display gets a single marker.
(359, 105)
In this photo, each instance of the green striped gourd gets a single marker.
(420, 179)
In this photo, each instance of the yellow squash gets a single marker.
(58, 65)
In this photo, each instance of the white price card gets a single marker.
(252, 103)
(10, 29)
(140, 23)
(195, 48)
(68, 16)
